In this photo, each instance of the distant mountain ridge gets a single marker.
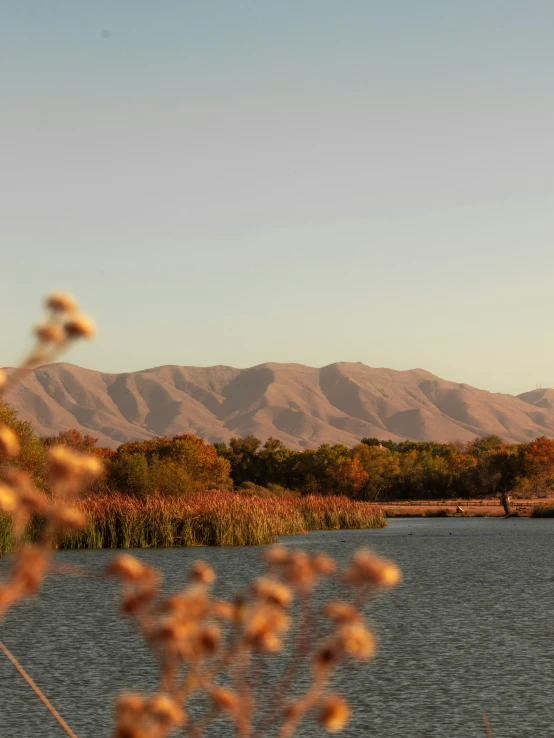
(301, 405)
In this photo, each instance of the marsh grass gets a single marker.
(542, 511)
(212, 518)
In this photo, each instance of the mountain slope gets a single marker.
(301, 405)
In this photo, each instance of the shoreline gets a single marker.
(487, 508)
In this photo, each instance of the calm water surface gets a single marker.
(470, 630)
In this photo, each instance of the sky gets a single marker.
(297, 181)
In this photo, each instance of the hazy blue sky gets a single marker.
(303, 181)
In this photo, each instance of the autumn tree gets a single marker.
(183, 463)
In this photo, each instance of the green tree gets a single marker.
(33, 456)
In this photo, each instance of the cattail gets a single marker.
(79, 327)
(9, 443)
(61, 302)
(202, 573)
(49, 333)
(334, 713)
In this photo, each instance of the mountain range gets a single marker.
(301, 405)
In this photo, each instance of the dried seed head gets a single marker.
(70, 519)
(276, 555)
(262, 627)
(49, 333)
(9, 442)
(299, 571)
(275, 593)
(191, 605)
(334, 713)
(80, 327)
(342, 612)
(201, 573)
(325, 659)
(209, 639)
(29, 569)
(224, 610)
(165, 710)
(128, 568)
(92, 466)
(61, 302)
(357, 641)
(366, 568)
(270, 643)
(8, 499)
(324, 564)
(67, 466)
(294, 712)
(129, 705)
(226, 700)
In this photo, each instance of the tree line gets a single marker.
(375, 470)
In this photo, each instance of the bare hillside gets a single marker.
(301, 405)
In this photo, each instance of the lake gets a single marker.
(470, 630)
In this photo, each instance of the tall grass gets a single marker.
(210, 518)
(543, 511)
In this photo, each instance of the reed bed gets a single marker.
(211, 518)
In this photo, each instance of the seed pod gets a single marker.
(79, 327)
(225, 699)
(202, 573)
(334, 713)
(8, 499)
(9, 442)
(49, 333)
(357, 641)
(127, 568)
(61, 302)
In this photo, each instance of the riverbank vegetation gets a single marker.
(543, 511)
(213, 518)
(373, 470)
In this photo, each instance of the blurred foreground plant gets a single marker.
(68, 472)
(218, 648)
(211, 648)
